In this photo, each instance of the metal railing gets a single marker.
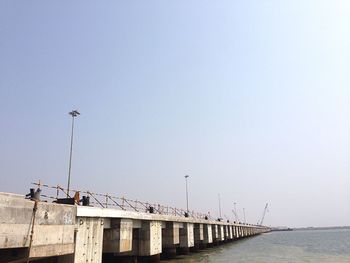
(56, 192)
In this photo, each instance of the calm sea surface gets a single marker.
(319, 246)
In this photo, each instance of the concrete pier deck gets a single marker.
(32, 230)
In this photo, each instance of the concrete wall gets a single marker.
(53, 231)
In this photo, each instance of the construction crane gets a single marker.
(236, 216)
(263, 216)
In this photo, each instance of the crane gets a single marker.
(263, 216)
(236, 216)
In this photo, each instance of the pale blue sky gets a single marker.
(250, 98)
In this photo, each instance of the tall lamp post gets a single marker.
(186, 177)
(219, 206)
(74, 114)
(236, 216)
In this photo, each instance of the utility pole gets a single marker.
(74, 114)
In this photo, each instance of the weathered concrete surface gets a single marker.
(89, 237)
(88, 243)
(230, 229)
(215, 229)
(198, 233)
(150, 240)
(207, 234)
(187, 235)
(118, 238)
(221, 233)
(53, 231)
(170, 234)
(82, 234)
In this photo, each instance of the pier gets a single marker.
(32, 229)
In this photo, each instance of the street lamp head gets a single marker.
(74, 113)
(186, 176)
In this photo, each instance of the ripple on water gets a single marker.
(318, 246)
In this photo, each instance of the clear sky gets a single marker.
(250, 98)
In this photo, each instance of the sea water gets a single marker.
(319, 246)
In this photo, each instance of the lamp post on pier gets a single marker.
(186, 177)
(219, 198)
(74, 114)
(234, 206)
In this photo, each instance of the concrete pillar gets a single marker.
(208, 234)
(216, 236)
(198, 235)
(230, 232)
(88, 242)
(221, 233)
(170, 234)
(227, 234)
(118, 238)
(150, 238)
(186, 238)
(170, 238)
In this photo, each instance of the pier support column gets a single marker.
(88, 242)
(118, 238)
(238, 228)
(150, 238)
(170, 238)
(221, 233)
(198, 236)
(207, 234)
(215, 229)
(230, 232)
(186, 238)
(227, 235)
